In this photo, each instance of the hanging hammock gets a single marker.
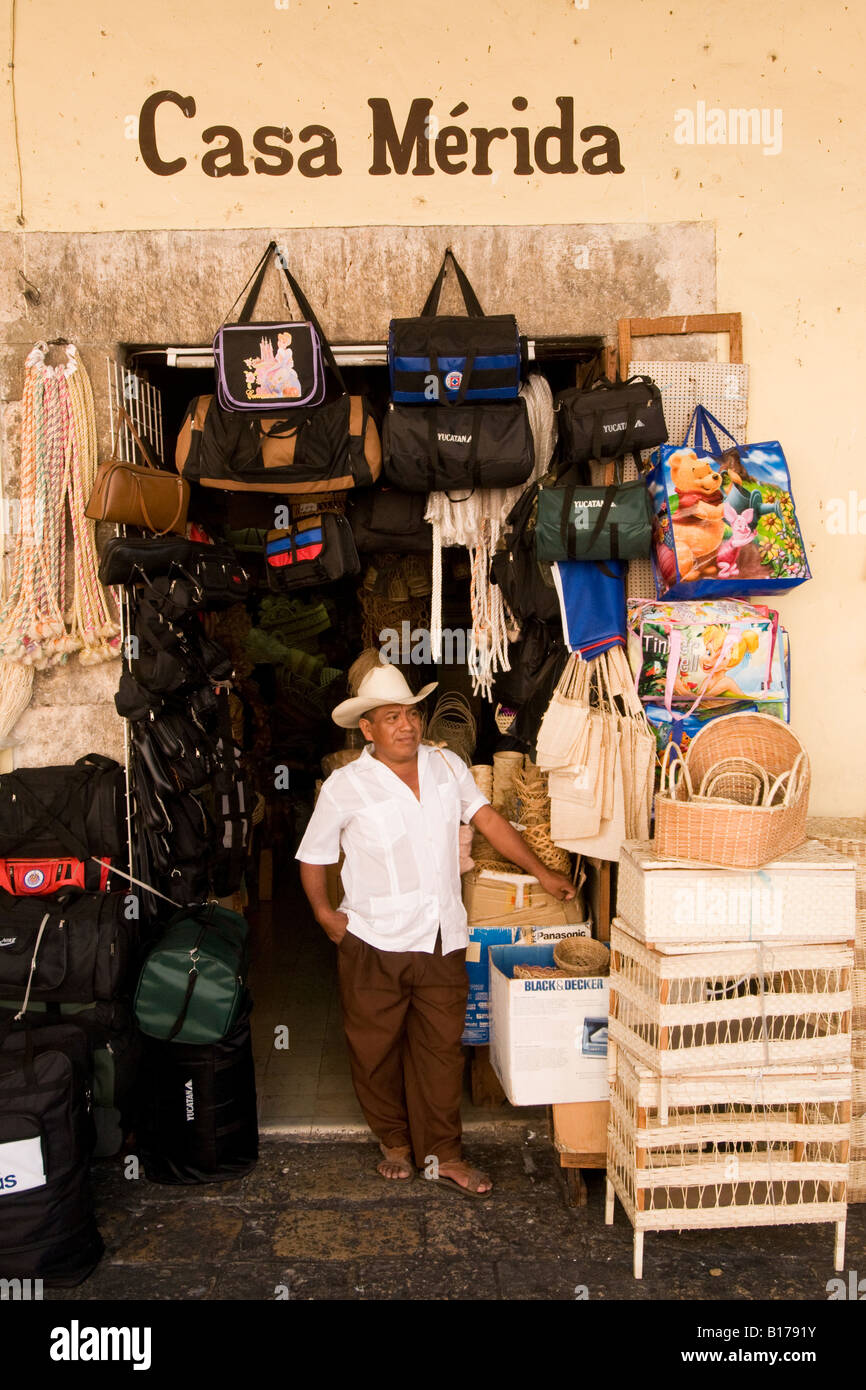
(477, 524)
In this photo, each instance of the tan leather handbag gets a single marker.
(147, 496)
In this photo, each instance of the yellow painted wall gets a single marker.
(789, 225)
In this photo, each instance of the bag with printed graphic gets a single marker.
(725, 521)
(688, 653)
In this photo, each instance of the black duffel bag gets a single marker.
(329, 448)
(385, 519)
(48, 1229)
(199, 1109)
(71, 951)
(469, 446)
(609, 419)
(51, 812)
(447, 358)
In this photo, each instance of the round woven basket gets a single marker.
(581, 955)
(726, 832)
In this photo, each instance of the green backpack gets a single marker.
(193, 983)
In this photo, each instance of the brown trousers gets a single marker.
(403, 1012)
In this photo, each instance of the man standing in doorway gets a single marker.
(401, 930)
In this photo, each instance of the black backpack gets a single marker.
(47, 1226)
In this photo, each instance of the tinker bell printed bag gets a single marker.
(725, 521)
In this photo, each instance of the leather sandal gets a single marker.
(474, 1175)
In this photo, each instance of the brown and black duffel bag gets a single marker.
(329, 448)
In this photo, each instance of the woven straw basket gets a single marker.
(581, 955)
(731, 830)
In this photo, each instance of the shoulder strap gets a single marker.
(145, 452)
(470, 299)
(303, 303)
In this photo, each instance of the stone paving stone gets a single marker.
(321, 1234)
(303, 1280)
(320, 1210)
(148, 1283)
(177, 1234)
(427, 1279)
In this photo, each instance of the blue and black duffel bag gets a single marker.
(452, 359)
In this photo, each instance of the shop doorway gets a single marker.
(291, 657)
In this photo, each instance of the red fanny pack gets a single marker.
(40, 877)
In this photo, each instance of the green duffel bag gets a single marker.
(594, 523)
(193, 983)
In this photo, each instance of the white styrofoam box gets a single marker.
(548, 1037)
(807, 895)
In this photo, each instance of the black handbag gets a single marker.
(174, 752)
(331, 448)
(451, 359)
(188, 575)
(470, 446)
(317, 549)
(526, 582)
(609, 419)
(385, 519)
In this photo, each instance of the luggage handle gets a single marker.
(471, 462)
(143, 448)
(303, 303)
(460, 397)
(568, 530)
(625, 444)
(470, 298)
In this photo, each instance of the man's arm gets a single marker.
(510, 843)
(315, 884)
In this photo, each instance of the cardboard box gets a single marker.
(541, 936)
(477, 1026)
(516, 898)
(548, 1037)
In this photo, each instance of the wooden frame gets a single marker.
(732, 324)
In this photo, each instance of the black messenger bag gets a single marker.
(610, 419)
(428, 449)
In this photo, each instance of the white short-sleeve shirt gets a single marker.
(401, 873)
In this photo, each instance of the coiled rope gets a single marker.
(477, 524)
(58, 466)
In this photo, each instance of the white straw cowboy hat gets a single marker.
(383, 685)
